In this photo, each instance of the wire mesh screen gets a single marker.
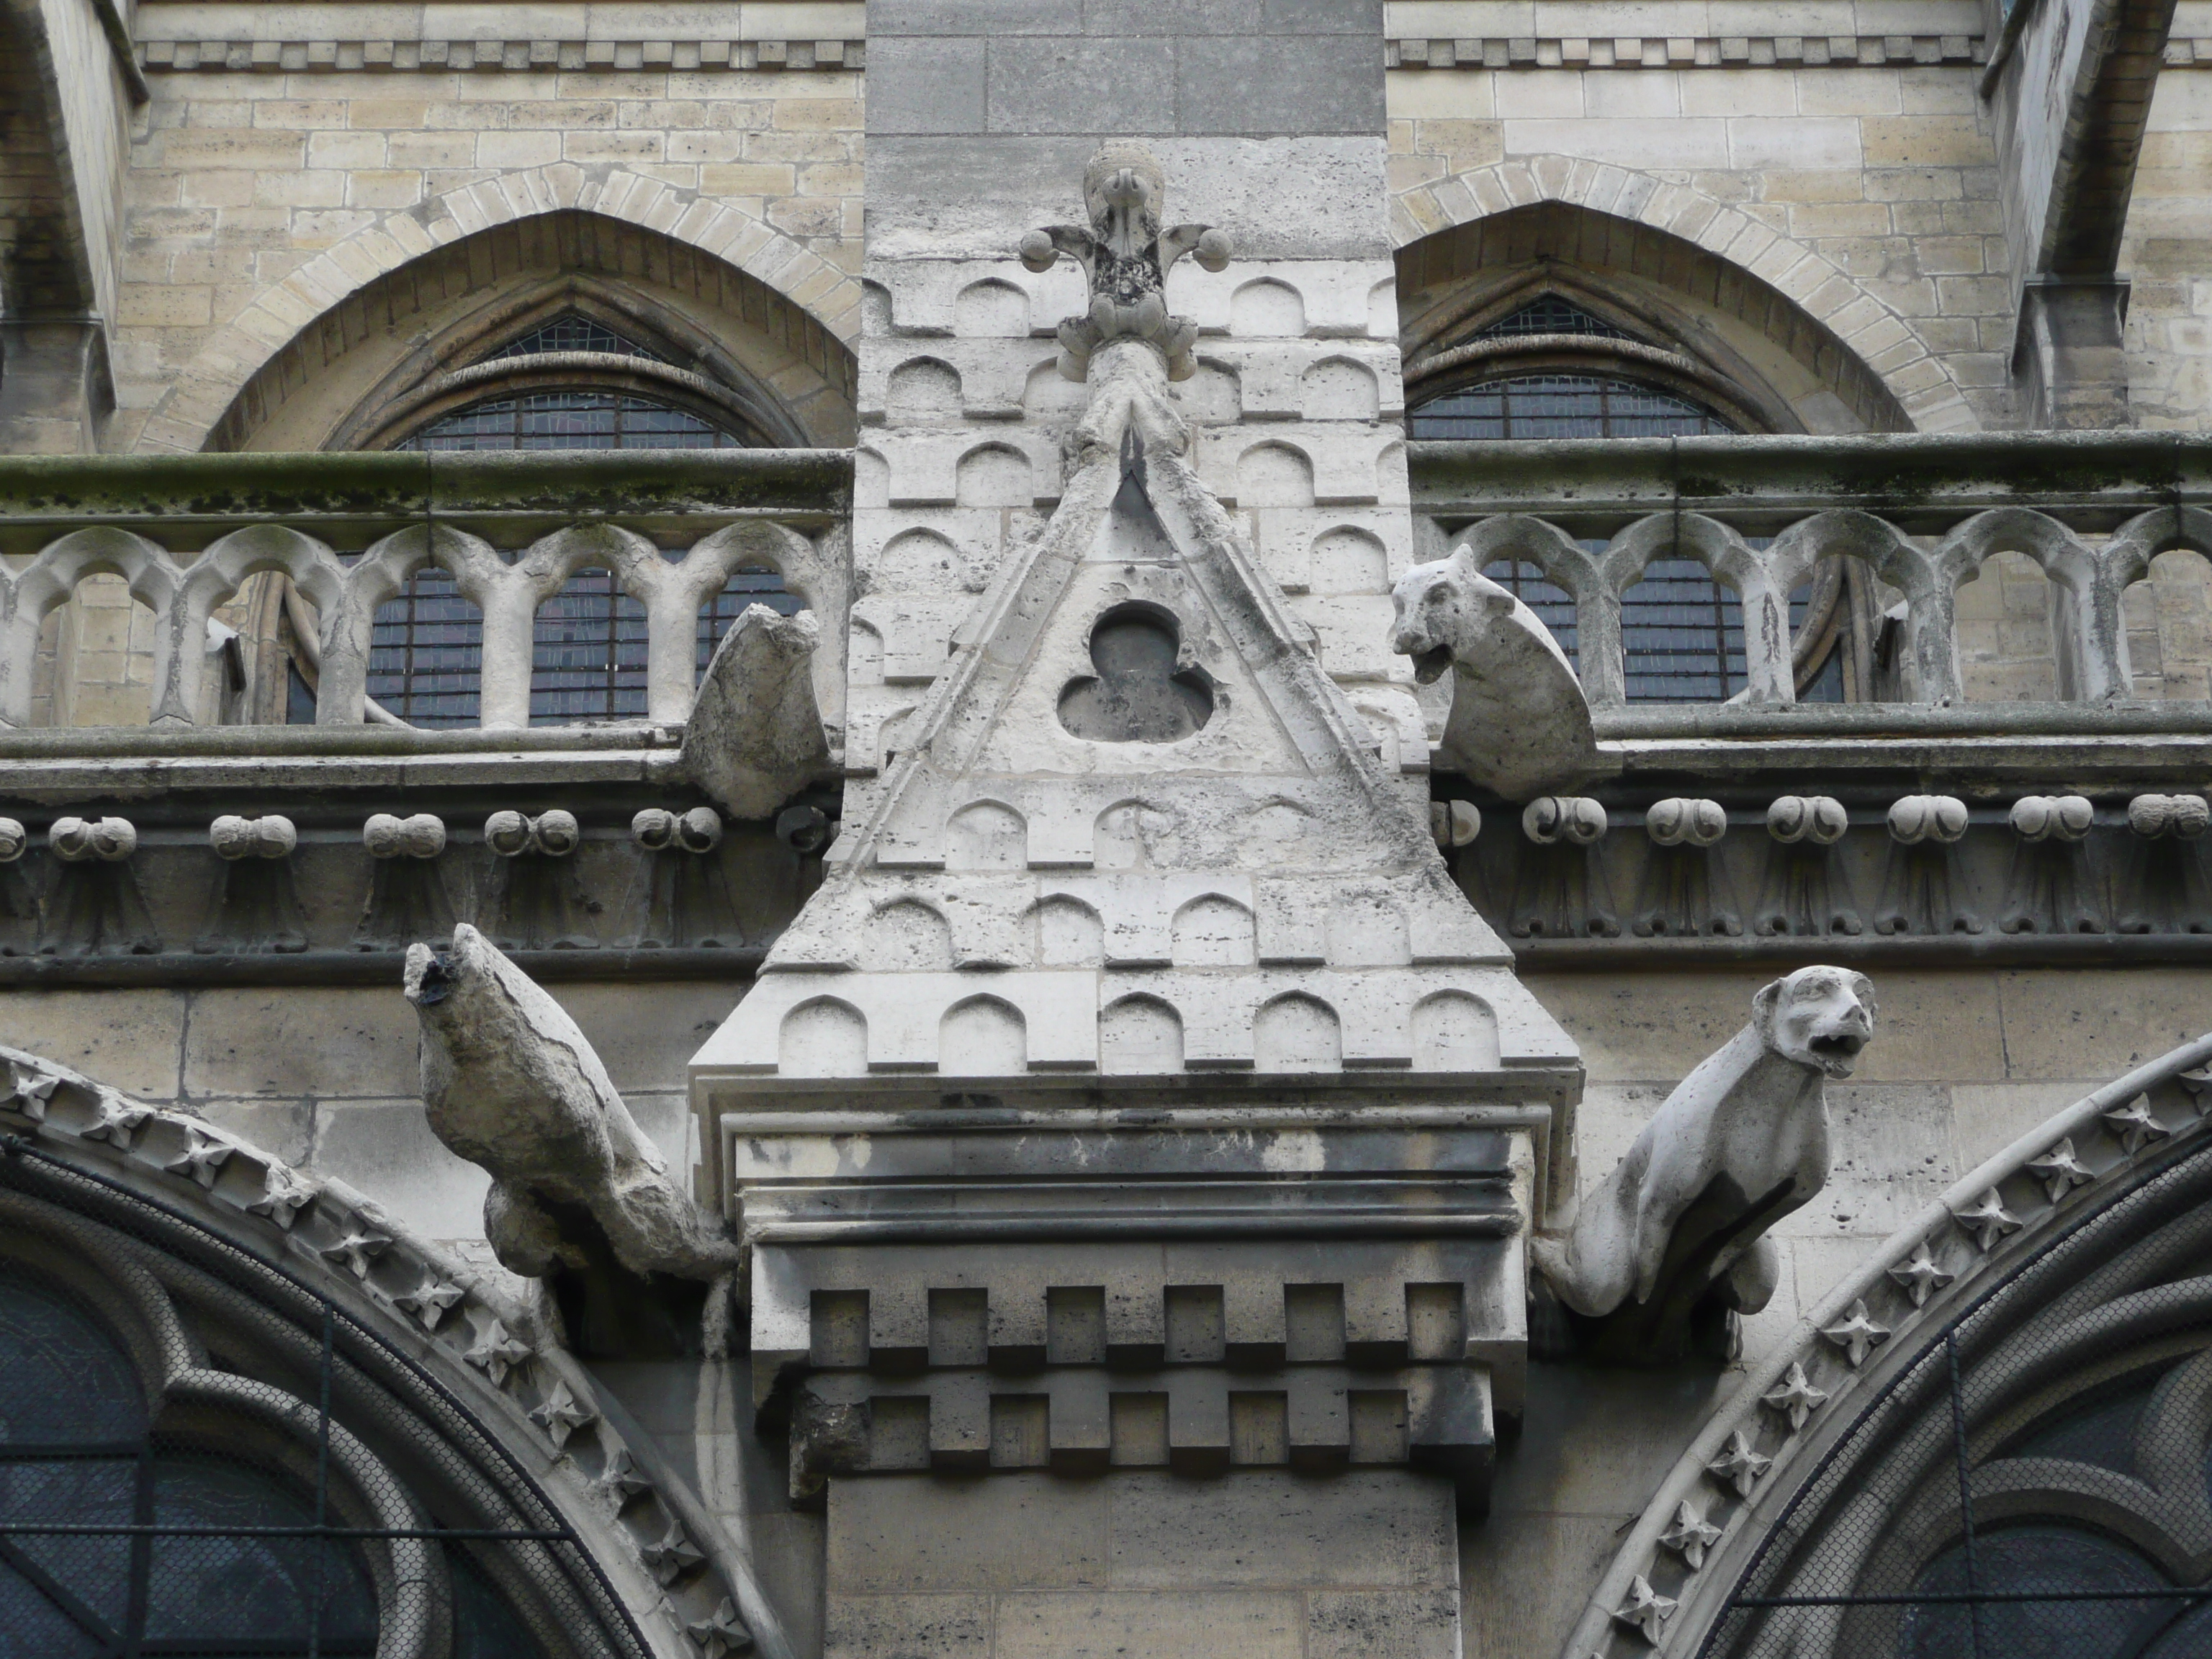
(2021, 1490)
(201, 1456)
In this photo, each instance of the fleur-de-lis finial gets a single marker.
(1127, 256)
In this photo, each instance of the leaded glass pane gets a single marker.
(62, 1379)
(570, 420)
(1561, 406)
(571, 333)
(426, 653)
(1551, 315)
(198, 1587)
(589, 654)
(1682, 632)
(2035, 1557)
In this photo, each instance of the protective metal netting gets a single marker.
(2028, 1487)
(242, 1468)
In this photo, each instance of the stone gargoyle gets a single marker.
(1127, 256)
(580, 1196)
(1519, 722)
(755, 738)
(1672, 1245)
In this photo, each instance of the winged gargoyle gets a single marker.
(1127, 256)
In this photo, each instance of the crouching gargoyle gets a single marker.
(580, 1196)
(1519, 721)
(1672, 1246)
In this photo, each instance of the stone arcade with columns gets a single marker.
(1381, 831)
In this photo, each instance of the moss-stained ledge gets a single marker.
(351, 498)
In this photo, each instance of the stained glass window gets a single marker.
(571, 333)
(1551, 315)
(76, 1451)
(588, 654)
(1561, 406)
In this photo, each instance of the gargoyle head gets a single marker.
(1819, 1017)
(1442, 608)
(1124, 187)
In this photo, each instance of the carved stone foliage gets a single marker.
(679, 895)
(407, 898)
(579, 1193)
(2061, 1286)
(256, 906)
(353, 884)
(96, 906)
(1561, 889)
(1125, 258)
(1673, 1243)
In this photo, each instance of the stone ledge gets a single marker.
(1725, 51)
(288, 57)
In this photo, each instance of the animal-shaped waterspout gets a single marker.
(1673, 1244)
(1519, 722)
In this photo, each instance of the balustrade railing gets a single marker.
(1921, 514)
(184, 533)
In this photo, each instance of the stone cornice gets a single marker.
(1683, 51)
(527, 54)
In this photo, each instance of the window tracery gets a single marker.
(2072, 1404)
(170, 1487)
(1681, 630)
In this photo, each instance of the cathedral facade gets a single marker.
(1029, 829)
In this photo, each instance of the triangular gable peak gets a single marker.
(1138, 833)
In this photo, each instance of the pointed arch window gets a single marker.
(588, 649)
(1523, 376)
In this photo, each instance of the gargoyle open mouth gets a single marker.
(1432, 665)
(1836, 1051)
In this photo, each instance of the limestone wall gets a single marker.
(327, 1077)
(261, 195)
(2168, 249)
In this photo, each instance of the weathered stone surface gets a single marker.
(1519, 722)
(1675, 1234)
(754, 739)
(510, 1084)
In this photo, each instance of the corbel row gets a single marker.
(95, 904)
(2136, 873)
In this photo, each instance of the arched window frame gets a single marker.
(1833, 1479)
(677, 365)
(1478, 345)
(221, 1272)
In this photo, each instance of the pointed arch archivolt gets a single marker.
(1600, 218)
(196, 412)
